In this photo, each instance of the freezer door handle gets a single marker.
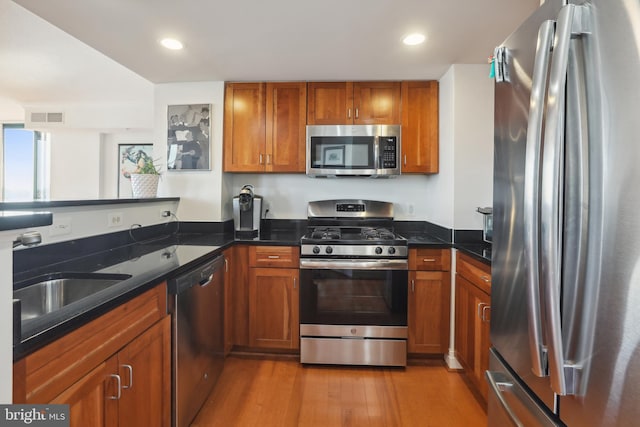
(570, 22)
(531, 215)
(500, 385)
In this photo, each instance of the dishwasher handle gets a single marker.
(200, 275)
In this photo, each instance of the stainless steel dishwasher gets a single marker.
(196, 304)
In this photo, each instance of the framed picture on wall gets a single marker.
(188, 139)
(128, 157)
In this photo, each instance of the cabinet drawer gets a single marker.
(274, 256)
(474, 271)
(430, 259)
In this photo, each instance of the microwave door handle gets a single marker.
(532, 196)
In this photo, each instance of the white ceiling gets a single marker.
(108, 49)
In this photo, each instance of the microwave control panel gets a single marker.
(388, 152)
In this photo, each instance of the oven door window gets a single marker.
(353, 297)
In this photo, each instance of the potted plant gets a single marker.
(144, 180)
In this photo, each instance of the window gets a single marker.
(24, 164)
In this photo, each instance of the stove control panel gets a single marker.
(354, 251)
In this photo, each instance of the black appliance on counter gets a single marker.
(247, 212)
(353, 285)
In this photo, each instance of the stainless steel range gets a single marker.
(353, 285)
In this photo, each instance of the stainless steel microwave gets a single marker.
(353, 150)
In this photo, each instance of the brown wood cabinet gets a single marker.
(420, 144)
(264, 127)
(429, 300)
(115, 370)
(473, 315)
(273, 297)
(362, 103)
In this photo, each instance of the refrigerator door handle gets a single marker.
(562, 375)
(532, 196)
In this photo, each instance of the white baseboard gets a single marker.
(451, 361)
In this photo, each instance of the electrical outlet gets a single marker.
(114, 219)
(165, 213)
(60, 226)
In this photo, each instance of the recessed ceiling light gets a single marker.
(172, 44)
(414, 39)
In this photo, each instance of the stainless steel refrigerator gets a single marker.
(565, 325)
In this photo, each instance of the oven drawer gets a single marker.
(430, 259)
(274, 256)
(337, 351)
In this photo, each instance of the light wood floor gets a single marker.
(253, 392)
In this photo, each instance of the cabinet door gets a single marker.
(482, 303)
(240, 295)
(145, 372)
(376, 103)
(428, 314)
(329, 103)
(273, 308)
(465, 326)
(286, 132)
(92, 399)
(244, 127)
(420, 127)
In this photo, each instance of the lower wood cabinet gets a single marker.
(114, 371)
(473, 315)
(264, 297)
(273, 308)
(429, 301)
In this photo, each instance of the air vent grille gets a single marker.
(44, 117)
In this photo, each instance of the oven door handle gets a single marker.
(354, 264)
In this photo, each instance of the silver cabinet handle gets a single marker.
(357, 113)
(498, 388)
(428, 260)
(484, 316)
(405, 160)
(273, 256)
(294, 283)
(413, 285)
(531, 214)
(486, 279)
(260, 159)
(268, 159)
(479, 309)
(349, 113)
(226, 265)
(130, 369)
(119, 382)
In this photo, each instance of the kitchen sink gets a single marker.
(52, 292)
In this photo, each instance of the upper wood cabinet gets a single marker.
(362, 103)
(264, 127)
(420, 127)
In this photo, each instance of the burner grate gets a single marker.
(327, 233)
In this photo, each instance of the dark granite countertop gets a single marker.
(14, 220)
(155, 260)
(479, 251)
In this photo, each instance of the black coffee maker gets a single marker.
(247, 211)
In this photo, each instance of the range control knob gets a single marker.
(329, 249)
(392, 250)
(378, 250)
(316, 250)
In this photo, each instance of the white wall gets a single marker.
(75, 165)
(473, 97)
(201, 192)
